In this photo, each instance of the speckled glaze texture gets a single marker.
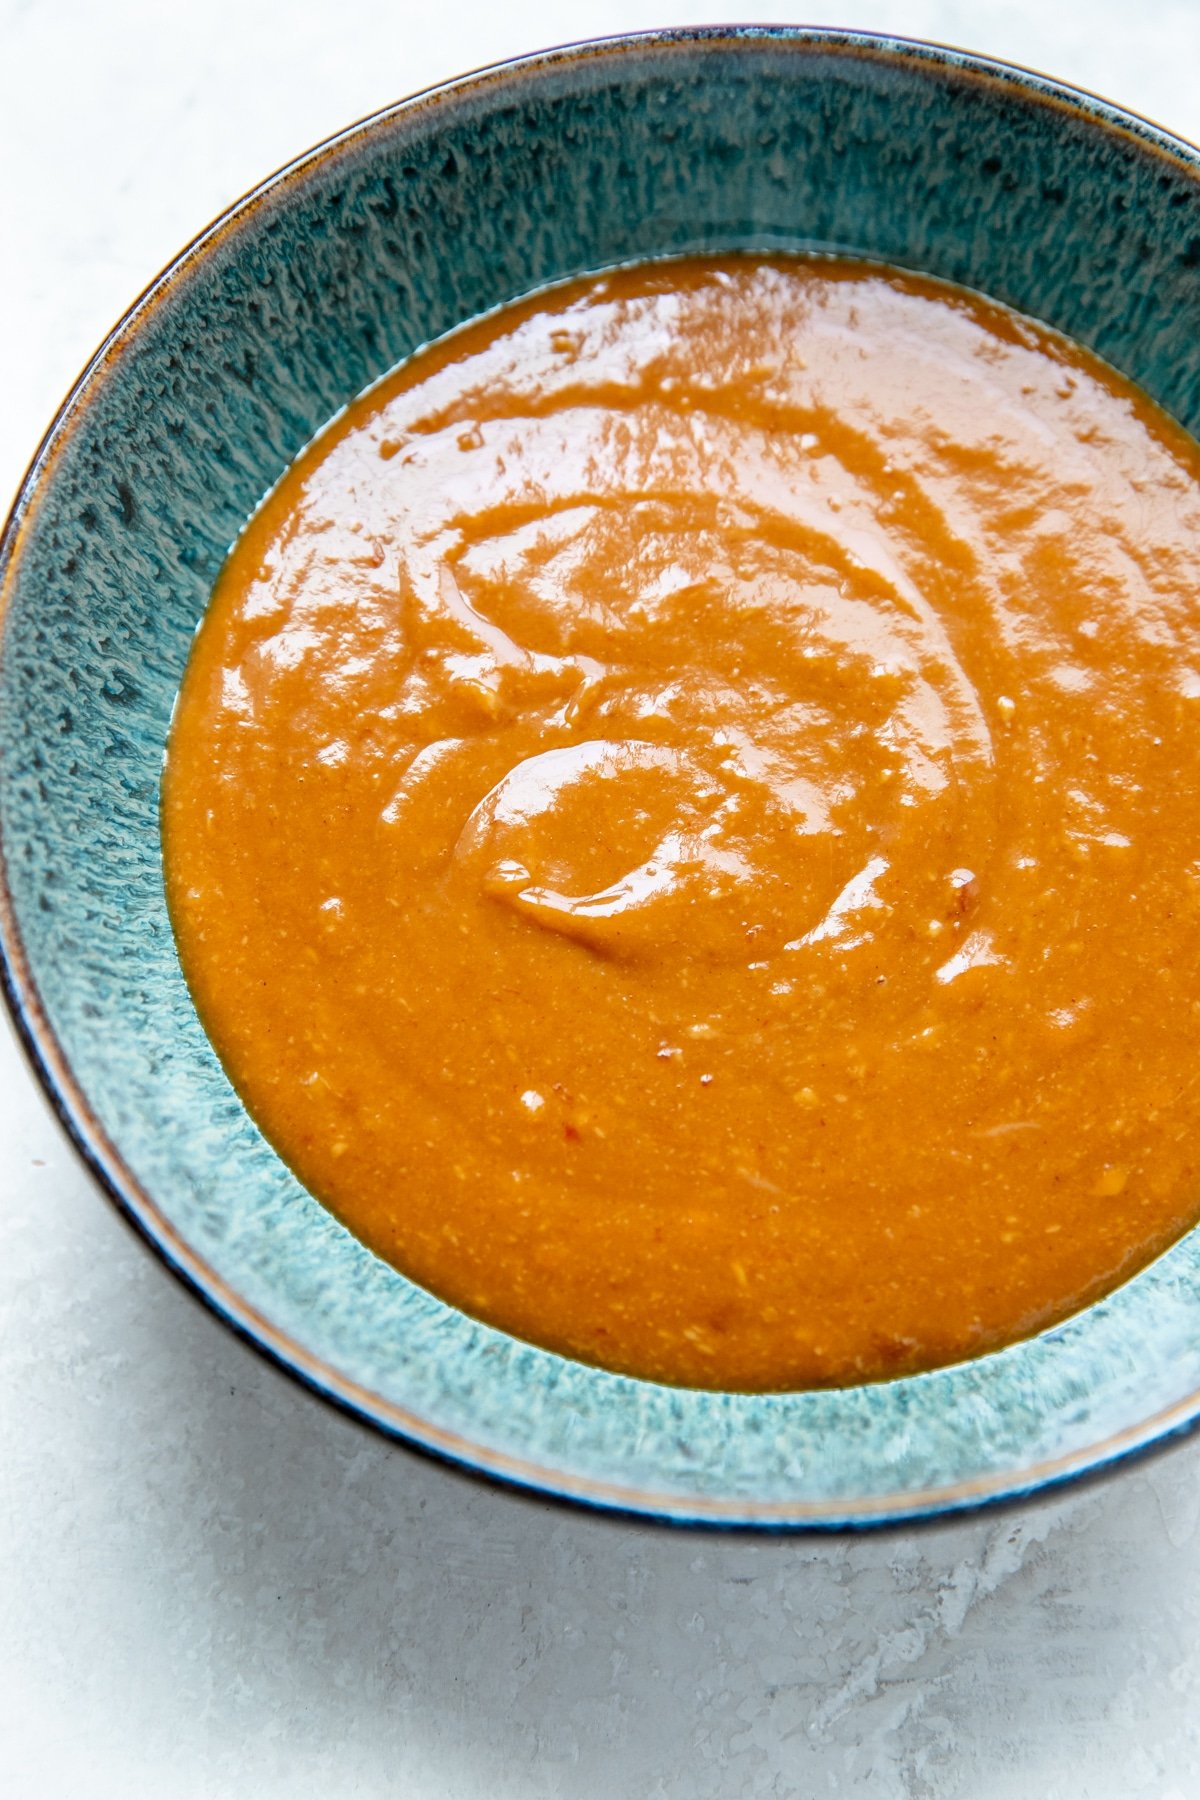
(304, 294)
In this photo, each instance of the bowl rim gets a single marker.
(51, 1065)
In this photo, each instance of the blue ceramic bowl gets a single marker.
(305, 292)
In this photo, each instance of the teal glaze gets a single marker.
(305, 293)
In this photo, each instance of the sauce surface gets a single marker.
(681, 822)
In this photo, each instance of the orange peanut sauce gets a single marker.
(681, 822)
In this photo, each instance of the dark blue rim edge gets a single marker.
(68, 1101)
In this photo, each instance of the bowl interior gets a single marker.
(311, 289)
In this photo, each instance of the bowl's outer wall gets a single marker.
(432, 214)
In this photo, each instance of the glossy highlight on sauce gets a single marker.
(681, 822)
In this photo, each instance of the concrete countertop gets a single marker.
(212, 1585)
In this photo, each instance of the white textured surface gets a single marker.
(209, 1584)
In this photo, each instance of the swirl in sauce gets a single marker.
(681, 822)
